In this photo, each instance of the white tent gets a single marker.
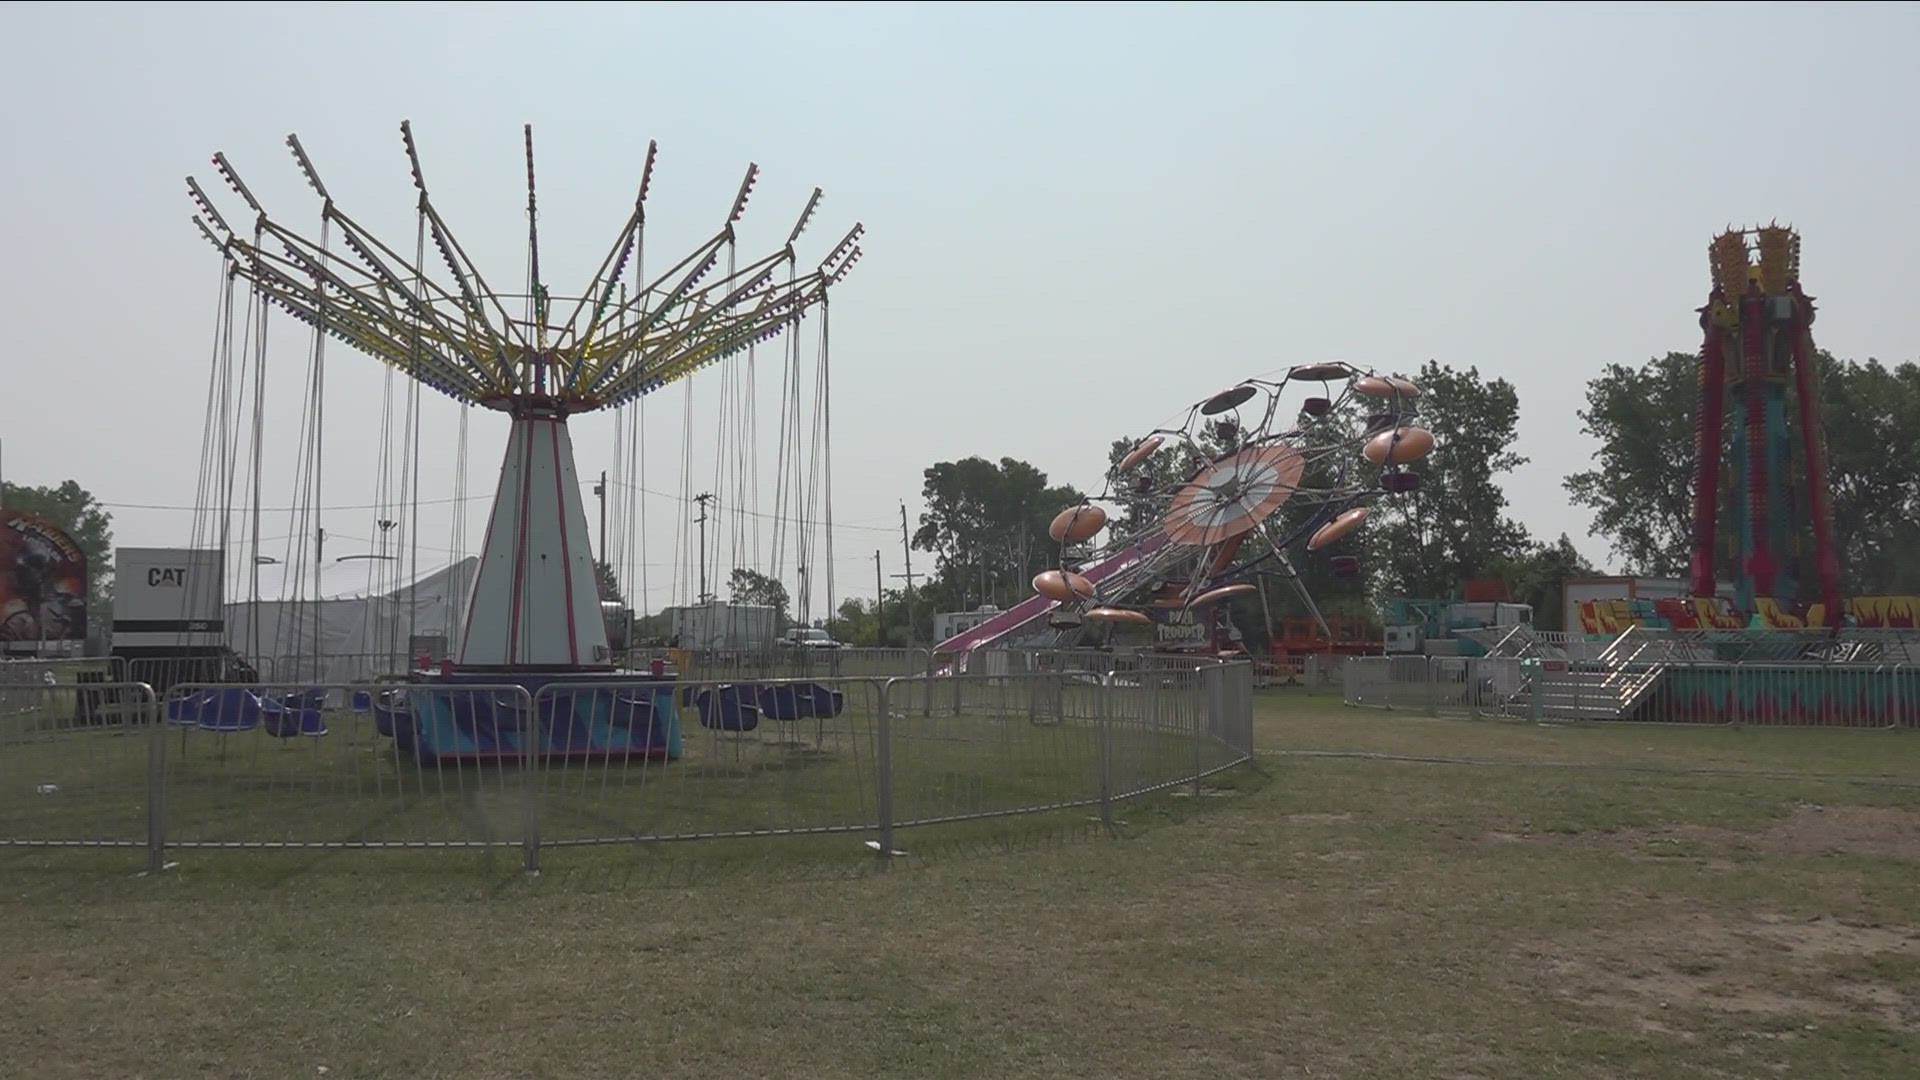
(352, 621)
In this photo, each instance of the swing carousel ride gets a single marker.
(533, 613)
(1238, 488)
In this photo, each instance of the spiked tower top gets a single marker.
(600, 348)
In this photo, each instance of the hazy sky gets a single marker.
(1079, 217)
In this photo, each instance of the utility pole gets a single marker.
(879, 603)
(600, 489)
(906, 549)
(703, 499)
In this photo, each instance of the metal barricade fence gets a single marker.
(1058, 740)
(332, 669)
(163, 672)
(1390, 682)
(729, 759)
(344, 668)
(445, 765)
(19, 670)
(1321, 671)
(76, 765)
(1494, 684)
(1853, 695)
(1090, 661)
(57, 671)
(1848, 695)
(336, 766)
(799, 663)
(1230, 706)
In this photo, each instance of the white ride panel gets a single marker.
(535, 603)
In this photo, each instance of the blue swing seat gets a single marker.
(225, 710)
(295, 714)
(727, 708)
(799, 701)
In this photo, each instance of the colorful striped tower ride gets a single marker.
(1759, 390)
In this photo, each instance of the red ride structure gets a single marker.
(1758, 360)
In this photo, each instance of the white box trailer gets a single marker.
(168, 601)
(722, 627)
(951, 624)
(1481, 614)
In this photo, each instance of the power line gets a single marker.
(838, 526)
(277, 509)
(719, 504)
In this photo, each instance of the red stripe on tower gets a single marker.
(566, 549)
(520, 546)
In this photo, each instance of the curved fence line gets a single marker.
(597, 762)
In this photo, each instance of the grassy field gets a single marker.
(1386, 895)
(992, 749)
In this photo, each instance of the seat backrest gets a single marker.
(1774, 616)
(1871, 610)
(1710, 616)
(227, 709)
(1678, 613)
(1901, 611)
(1589, 618)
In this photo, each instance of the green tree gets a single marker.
(753, 587)
(608, 583)
(1870, 415)
(1140, 493)
(862, 622)
(1641, 490)
(76, 511)
(986, 524)
(1537, 575)
(1454, 527)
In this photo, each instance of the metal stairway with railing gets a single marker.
(1518, 642)
(1607, 686)
(1574, 678)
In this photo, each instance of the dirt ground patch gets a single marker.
(1809, 831)
(1886, 831)
(1821, 937)
(1317, 819)
(1784, 975)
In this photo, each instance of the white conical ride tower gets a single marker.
(535, 601)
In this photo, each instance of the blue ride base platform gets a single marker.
(466, 718)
